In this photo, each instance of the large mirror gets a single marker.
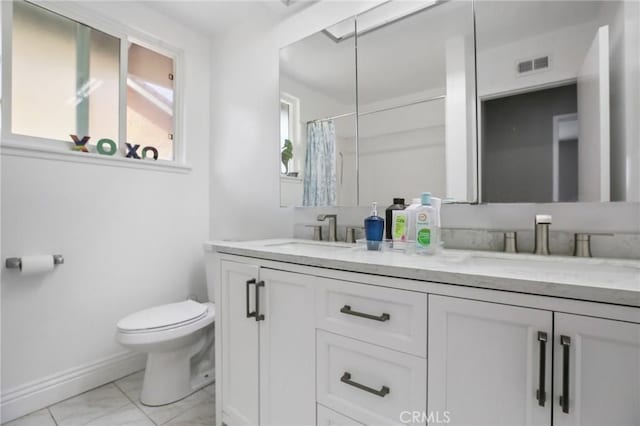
(555, 87)
(318, 119)
(416, 92)
(559, 100)
(415, 127)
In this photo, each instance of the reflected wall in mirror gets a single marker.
(416, 101)
(559, 100)
(317, 119)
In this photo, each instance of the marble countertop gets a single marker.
(591, 279)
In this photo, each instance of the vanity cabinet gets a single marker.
(488, 362)
(491, 364)
(603, 375)
(268, 346)
(239, 342)
(301, 345)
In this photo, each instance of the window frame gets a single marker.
(294, 123)
(38, 147)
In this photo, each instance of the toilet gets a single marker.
(178, 339)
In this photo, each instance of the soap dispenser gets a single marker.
(374, 228)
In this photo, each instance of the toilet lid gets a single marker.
(172, 314)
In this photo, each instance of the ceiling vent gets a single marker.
(525, 66)
(530, 65)
(540, 63)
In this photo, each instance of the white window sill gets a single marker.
(290, 178)
(18, 149)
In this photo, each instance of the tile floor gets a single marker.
(118, 404)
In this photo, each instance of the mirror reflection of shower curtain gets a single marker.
(320, 165)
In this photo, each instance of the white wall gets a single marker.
(566, 49)
(131, 238)
(405, 145)
(245, 163)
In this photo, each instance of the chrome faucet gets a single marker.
(542, 223)
(333, 219)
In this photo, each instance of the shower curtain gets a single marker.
(320, 165)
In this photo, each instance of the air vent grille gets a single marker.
(525, 66)
(540, 63)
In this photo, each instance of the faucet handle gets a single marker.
(582, 243)
(317, 232)
(351, 233)
(543, 219)
(510, 242)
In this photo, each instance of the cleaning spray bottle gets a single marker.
(426, 226)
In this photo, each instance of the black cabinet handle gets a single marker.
(249, 282)
(565, 341)
(258, 315)
(346, 378)
(541, 395)
(346, 309)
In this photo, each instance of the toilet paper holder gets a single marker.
(16, 262)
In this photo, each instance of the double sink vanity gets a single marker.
(327, 333)
(490, 102)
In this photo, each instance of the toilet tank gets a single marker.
(213, 275)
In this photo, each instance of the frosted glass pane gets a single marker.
(43, 73)
(64, 77)
(104, 73)
(150, 100)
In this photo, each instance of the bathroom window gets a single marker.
(150, 100)
(289, 134)
(64, 77)
(69, 80)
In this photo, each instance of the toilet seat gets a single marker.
(163, 317)
(167, 333)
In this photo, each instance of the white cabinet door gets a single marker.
(485, 365)
(603, 374)
(239, 336)
(287, 349)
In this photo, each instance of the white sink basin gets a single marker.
(595, 268)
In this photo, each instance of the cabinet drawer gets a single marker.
(388, 317)
(369, 383)
(327, 417)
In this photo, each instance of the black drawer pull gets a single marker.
(541, 395)
(346, 378)
(249, 282)
(258, 315)
(565, 342)
(346, 309)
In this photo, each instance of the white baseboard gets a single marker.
(38, 394)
